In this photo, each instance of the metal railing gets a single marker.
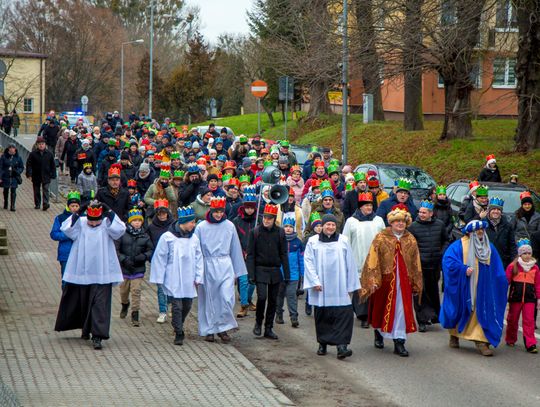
(6, 140)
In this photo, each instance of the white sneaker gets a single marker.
(161, 318)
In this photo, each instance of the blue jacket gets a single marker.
(296, 258)
(386, 206)
(64, 243)
(7, 175)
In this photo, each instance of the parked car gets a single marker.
(73, 117)
(301, 152)
(203, 129)
(422, 182)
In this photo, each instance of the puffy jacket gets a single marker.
(296, 258)
(157, 228)
(524, 286)
(488, 175)
(502, 237)
(134, 250)
(386, 206)
(443, 211)
(524, 229)
(64, 242)
(200, 208)
(188, 191)
(432, 241)
(10, 166)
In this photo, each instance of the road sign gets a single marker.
(84, 108)
(84, 100)
(286, 88)
(259, 89)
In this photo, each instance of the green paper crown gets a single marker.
(314, 149)
(127, 144)
(334, 161)
(325, 185)
(74, 195)
(359, 176)
(244, 178)
(175, 155)
(243, 139)
(404, 183)
(165, 174)
(252, 154)
(332, 169)
(112, 142)
(284, 143)
(440, 189)
(314, 217)
(267, 164)
(482, 190)
(226, 177)
(348, 186)
(179, 174)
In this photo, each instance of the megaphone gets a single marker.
(278, 194)
(271, 175)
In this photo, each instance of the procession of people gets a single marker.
(192, 212)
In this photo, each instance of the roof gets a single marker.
(6, 52)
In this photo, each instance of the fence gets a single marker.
(24, 152)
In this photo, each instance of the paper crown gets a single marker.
(250, 189)
(333, 169)
(112, 142)
(524, 195)
(179, 174)
(373, 182)
(244, 178)
(250, 198)
(252, 154)
(226, 178)
(201, 161)
(365, 197)
(175, 155)
(523, 242)
(349, 186)
(318, 164)
(193, 168)
(399, 212)
(229, 165)
(158, 156)
(267, 164)
(334, 161)
(234, 182)
(94, 211)
(325, 184)
(134, 214)
(218, 203)
(185, 214)
(114, 171)
(161, 203)
(270, 210)
(165, 173)
(359, 176)
(440, 189)
(475, 225)
(473, 186)
(87, 165)
(314, 219)
(315, 183)
(482, 190)
(404, 184)
(284, 143)
(491, 158)
(427, 204)
(73, 197)
(496, 202)
(289, 220)
(131, 183)
(327, 193)
(243, 139)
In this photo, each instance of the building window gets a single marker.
(504, 73)
(506, 16)
(448, 12)
(475, 75)
(28, 105)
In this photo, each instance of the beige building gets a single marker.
(22, 86)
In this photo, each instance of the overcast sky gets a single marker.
(220, 16)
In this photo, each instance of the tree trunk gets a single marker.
(412, 66)
(528, 76)
(268, 112)
(369, 60)
(457, 113)
(318, 102)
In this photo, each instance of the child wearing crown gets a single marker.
(134, 249)
(87, 183)
(524, 277)
(178, 268)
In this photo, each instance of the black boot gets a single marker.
(399, 348)
(257, 329)
(97, 343)
(308, 309)
(13, 197)
(379, 340)
(6, 193)
(179, 339)
(135, 318)
(294, 322)
(322, 349)
(124, 311)
(364, 324)
(279, 319)
(270, 334)
(422, 327)
(343, 352)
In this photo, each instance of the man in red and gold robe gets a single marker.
(391, 276)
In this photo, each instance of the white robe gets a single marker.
(223, 263)
(361, 235)
(177, 264)
(332, 266)
(93, 258)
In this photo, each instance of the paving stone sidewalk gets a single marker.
(137, 367)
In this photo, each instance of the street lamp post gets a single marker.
(122, 74)
(151, 79)
(344, 83)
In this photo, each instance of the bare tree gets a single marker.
(17, 88)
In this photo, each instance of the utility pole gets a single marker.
(344, 83)
(150, 80)
(122, 74)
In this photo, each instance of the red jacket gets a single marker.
(524, 286)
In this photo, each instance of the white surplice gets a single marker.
(177, 264)
(223, 263)
(93, 258)
(361, 235)
(332, 266)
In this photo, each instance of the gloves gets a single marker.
(140, 258)
(110, 215)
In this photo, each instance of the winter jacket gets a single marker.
(318, 207)
(295, 248)
(307, 185)
(126, 173)
(502, 237)
(136, 159)
(524, 286)
(232, 206)
(83, 156)
(40, 166)
(87, 183)
(10, 167)
(134, 249)
(432, 241)
(298, 187)
(144, 183)
(188, 191)
(386, 206)
(244, 225)
(68, 154)
(443, 211)
(151, 194)
(524, 229)
(200, 208)
(157, 228)
(60, 144)
(64, 242)
(307, 170)
(50, 134)
(267, 254)
(470, 212)
(119, 204)
(489, 175)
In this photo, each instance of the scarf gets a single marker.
(363, 218)
(526, 265)
(132, 231)
(495, 222)
(290, 237)
(479, 208)
(478, 249)
(114, 191)
(210, 218)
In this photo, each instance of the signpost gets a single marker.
(259, 89)
(286, 93)
(84, 104)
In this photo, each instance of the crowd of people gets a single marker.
(196, 211)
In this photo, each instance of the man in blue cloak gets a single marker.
(475, 290)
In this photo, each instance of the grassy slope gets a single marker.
(387, 142)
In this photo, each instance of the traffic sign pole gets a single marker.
(286, 103)
(259, 89)
(259, 116)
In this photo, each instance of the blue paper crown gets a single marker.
(327, 193)
(250, 189)
(193, 168)
(134, 212)
(250, 197)
(185, 214)
(427, 204)
(289, 220)
(218, 140)
(475, 225)
(496, 201)
(187, 144)
(222, 157)
(523, 242)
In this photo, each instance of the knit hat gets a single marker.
(185, 214)
(73, 197)
(144, 167)
(315, 219)
(399, 212)
(490, 159)
(196, 145)
(212, 177)
(135, 214)
(328, 218)
(475, 225)
(524, 246)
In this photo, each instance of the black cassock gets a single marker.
(334, 325)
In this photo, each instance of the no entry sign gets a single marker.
(259, 89)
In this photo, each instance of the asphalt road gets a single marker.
(433, 374)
